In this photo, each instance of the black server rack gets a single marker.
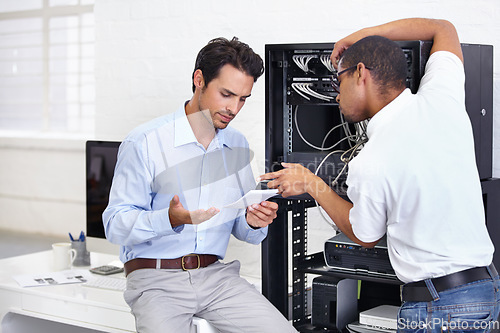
(301, 109)
(300, 112)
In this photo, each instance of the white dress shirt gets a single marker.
(162, 158)
(417, 179)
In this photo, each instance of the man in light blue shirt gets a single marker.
(174, 176)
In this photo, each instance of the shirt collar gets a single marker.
(388, 111)
(183, 133)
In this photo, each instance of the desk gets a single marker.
(63, 308)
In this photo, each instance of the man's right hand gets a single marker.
(179, 215)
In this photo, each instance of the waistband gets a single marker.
(187, 262)
(419, 292)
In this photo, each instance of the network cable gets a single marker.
(325, 60)
(359, 138)
(304, 89)
(302, 61)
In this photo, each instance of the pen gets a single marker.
(71, 237)
(82, 237)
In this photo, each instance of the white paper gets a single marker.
(252, 197)
(52, 278)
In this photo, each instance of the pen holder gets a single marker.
(82, 255)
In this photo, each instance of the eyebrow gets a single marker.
(233, 94)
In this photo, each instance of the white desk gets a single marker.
(62, 308)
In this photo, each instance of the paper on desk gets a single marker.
(252, 197)
(52, 278)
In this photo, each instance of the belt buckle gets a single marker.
(190, 255)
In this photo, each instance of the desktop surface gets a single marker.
(64, 308)
(70, 304)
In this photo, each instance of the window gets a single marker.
(47, 66)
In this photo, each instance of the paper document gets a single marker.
(52, 278)
(252, 197)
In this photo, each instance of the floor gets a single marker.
(14, 243)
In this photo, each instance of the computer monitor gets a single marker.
(100, 159)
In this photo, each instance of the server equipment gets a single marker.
(334, 302)
(304, 125)
(344, 254)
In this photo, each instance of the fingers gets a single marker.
(261, 215)
(269, 175)
(335, 58)
(200, 215)
(337, 52)
(175, 201)
(277, 174)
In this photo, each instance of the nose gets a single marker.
(233, 107)
(337, 98)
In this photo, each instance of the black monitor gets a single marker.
(100, 159)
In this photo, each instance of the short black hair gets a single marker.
(383, 56)
(221, 51)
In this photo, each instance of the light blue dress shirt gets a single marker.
(162, 158)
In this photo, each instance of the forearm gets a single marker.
(408, 29)
(441, 32)
(336, 207)
(130, 226)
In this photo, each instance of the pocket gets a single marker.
(411, 317)
(479, 321)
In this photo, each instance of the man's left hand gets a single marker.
(261, 215)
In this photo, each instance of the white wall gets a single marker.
(145, 53)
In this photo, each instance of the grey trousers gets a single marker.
(165, 301)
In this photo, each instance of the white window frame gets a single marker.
(46, 13)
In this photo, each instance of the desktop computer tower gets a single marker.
(334, 302)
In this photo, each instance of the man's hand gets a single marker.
(179, 215)
(294, 179)
(261, 215)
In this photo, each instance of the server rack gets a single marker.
(289, 65)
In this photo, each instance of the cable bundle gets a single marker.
(325, 60)
(302, 61)
(304, 89)
(356, 142)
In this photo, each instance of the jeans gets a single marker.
(472, 307)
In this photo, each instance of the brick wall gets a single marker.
(146, 49)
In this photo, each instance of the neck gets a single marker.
(201, 123)
(381, 101)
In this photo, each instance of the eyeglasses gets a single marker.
(334, 79)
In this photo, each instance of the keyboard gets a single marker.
(107, 282)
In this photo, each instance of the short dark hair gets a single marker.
(221, 51)
(383, 56)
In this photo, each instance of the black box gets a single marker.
(334, 302)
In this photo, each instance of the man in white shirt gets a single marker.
(415, 179)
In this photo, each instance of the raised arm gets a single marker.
(441, 32)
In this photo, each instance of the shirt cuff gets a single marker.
(160, 222)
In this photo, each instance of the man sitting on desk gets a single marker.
(416, 179)
(173, 176)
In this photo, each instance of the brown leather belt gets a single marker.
(190, 261)
(418, 291)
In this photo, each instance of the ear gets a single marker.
(198, 80)
(362, 72)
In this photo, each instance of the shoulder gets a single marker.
(444, 72)
(444, 63)
(444, 58)
(142, 131)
